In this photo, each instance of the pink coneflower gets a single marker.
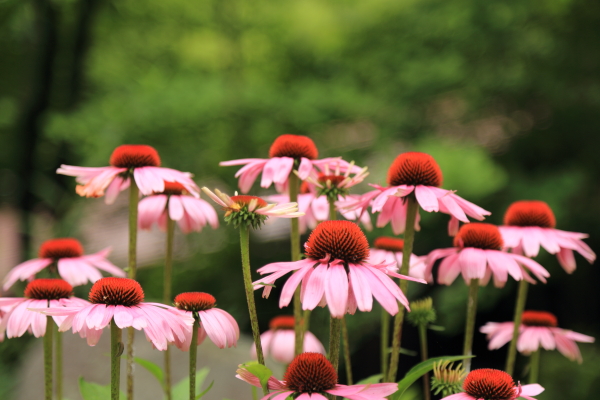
(121, 300)
(389, 249)
(538, 329)
(416, 173)
(251, 209)
(129, 160)
(39, 294)
(337, 272)
(219, 325)
(191, 213)
(311, 376)
(477, 255)
(493, 384)
(530, 224)
(66, 256)
(284, 152)
(279, 340)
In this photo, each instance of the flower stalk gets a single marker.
(335, 325)
(347, 359)
(385, 341)
(519, 308)
(245, 248)
(48, 358)
(116, 348)
(534, 366)
(134, 198)
(193, 356)
(470, 324)
(409, 237)
(424, 356)
(167, 285)
(294, 188)
(58, 357)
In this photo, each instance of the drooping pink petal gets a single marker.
(305, 168)
(360, 288)
(532, 389)
(473, 263)
(25, 271)
(175, 208)
(315, 287)
(116, 186)
(426, 198)
(287, 293)
(336, 290)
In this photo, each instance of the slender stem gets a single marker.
(534, 366)
(347, 352)
(385, 341)
(245, 247)
(332, 213)
(193, 355)
(412, 207)
(167, 285)
(116, 347)
(48, 358)
(424, 357)
(294, 188)
(335, 326)
(131, 272)
(470, 324)
(58, 357)
(519, 307)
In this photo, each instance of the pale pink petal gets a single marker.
(305, 168)
(532, 266)
(568, 348)
(449, 205)
(360, 288)
(566, 258)
(287, 293)
(25, 271)
(282, 345)
(315, 287)
(381, 294)
(336, 290)
(116, 186)
(312, 344)
(449, 269)
(77, 271)
(320, 208)
(175, 208)
(532, 389)
(473, 263)
(426, 198)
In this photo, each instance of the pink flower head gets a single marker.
(477, 255)
(121, 300)
(316, 208)
(129, 160)
(39, 294)
(279, 340)
(389, 249)
(530, 224)
(285, 151)
(66, 255)
(310, 376)
(493, 384)
(538, 329)
(416, 173)
(337, 273)
(219, 325)
(191, 213)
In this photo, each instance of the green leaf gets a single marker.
(436, 328)
(206, 390)
(153, 369)
(94, 391)
(370, 379)
(260, 371)
(181, 390)
(419, 370)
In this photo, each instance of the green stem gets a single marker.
(534, 366)
(131, 272)
(347, 352)
(245, 247)
(332, 212)
(385, 341)
(519, 307)
(412, 207)
(167, 285)
(294, 188)
(424, 357)
(116, 347)
(58, 356)
(48, 358)
(335, 326)
(470, 324)
(193, 355)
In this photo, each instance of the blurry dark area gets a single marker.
(504, 94)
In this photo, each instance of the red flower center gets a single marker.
(294, 146)
(480, 236)
(48, 289)
(174, 188)
(282, 322)
(305, 188)
(134, 156)
(489, 384)
(61, 248)
(194, 301)
(343, 240)
(310, 373)
(389, 244)
(244, 200)
(530, 213)
(414, 168)
(116, 292)
(335, 179)
(538, 318)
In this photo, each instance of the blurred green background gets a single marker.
(504, 94)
